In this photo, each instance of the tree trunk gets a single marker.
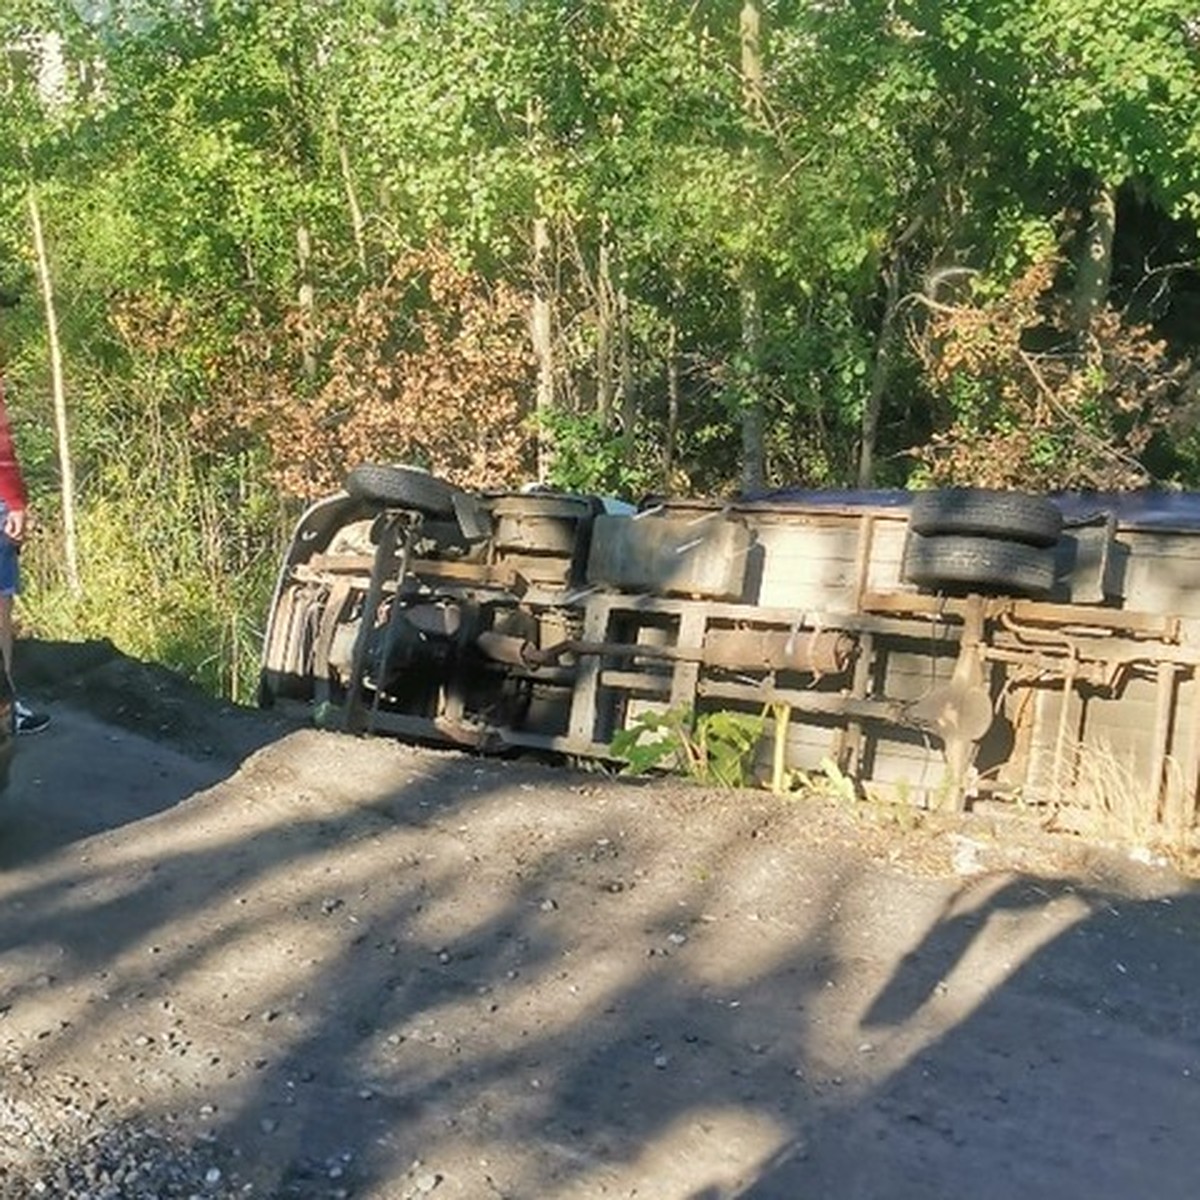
(65, 465)
(307, 300)
(880, 372)
(356, 217)
(1093, 271)
(882, 369)
(604, 332)
(750, 25)
(753, 415)
(626, 387)
(672, 404)
(541, 328)
(541, 336)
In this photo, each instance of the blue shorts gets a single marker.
(10, 560)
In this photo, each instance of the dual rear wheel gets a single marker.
(983, 540)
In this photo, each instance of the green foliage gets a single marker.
(714, 748)
(1107, 90)
(589, 456)
(178, 553)
(148, 593)
(219, 174)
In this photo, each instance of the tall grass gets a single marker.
(177, 557)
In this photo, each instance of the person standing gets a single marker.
(14, 503)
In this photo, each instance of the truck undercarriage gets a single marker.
(958, 645)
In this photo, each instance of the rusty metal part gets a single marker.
(1037, 662)
(823, 703)
(1092, 646)
(505, 648)
(814, 652)
(961, 712)
(953, 712)
(540, 523)
(1037, 612)
(509, 650)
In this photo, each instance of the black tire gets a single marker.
(981, 512)
(401, 487)
(980, 564)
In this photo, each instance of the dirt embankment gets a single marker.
(244, 959)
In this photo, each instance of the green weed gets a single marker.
(717, 748)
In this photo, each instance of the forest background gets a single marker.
(622, 246)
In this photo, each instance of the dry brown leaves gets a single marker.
(1022, 400)
(430, 367)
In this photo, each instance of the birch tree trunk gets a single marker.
(356, 217)
(306, 298)
(357, 224)
(62, 429)
(541, 328)
(753, 414)
(669, 447)
(626, 375)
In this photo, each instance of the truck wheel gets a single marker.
(979, 563)
(401, 487)
(982, 512)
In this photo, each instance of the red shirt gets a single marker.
(12, 482)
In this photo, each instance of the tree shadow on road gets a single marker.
(1076, 1075)
(357, 957)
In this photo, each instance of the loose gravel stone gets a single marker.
(65, 1152)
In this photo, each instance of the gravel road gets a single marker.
(240, 958)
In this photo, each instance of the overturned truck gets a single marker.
(940, 648)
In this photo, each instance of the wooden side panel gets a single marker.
(1159, 572)
(705, 555)
(816, 563)
(1102, 755)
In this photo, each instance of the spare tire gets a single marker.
(979, 564)
(394, 486)
(982, 512)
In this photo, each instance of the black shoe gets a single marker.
(25, 720)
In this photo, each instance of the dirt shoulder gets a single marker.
(271, 961)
